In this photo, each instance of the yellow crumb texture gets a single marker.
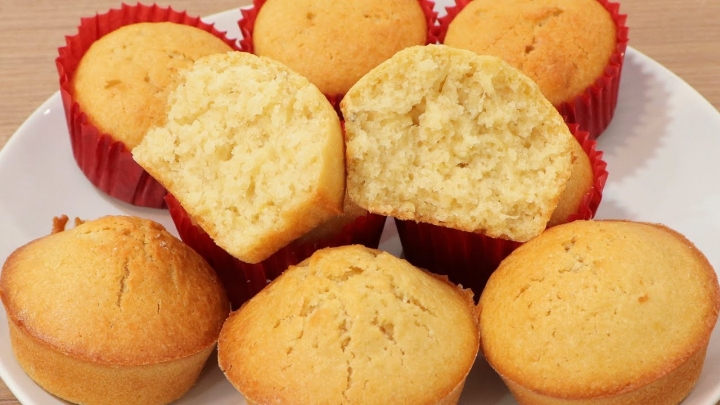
(563, 45)
(306, 35)
(352, 325)
(123, 80)
(445, 136)
(251, 150)
(613, 311)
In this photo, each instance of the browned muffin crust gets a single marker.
(600, 312)
(563, 45)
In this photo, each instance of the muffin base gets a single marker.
(81, 381)
(670, 389)
(451, 399)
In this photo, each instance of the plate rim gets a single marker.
(54, 101)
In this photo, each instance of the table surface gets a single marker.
(682, 35)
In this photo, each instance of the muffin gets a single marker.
(278, 149)
(334, 43)
(115, 311)
(448, 137)
(573, 49)
(352, 325)
(251, 150)
(435, 130)
(600, 312)
(115, 75)
(243, 280)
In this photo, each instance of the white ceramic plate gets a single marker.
(662, 152)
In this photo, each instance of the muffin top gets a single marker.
(116, 290)
(444, 136)
(563, 45)
(251, 150)
(334, 43)
(351, 325)
(593, 308)
(123, 80)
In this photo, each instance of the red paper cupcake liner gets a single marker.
(247, 25)
(469, 258)
(594, 108)
(108, 163)
(243, 280)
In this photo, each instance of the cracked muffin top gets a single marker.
(594, 309)
(352, 325)
(123, 80)
(563, 45)
(116, 290)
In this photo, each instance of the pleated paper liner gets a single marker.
(108, 163)
(594, 108)
(247, 25)
(469, 258)
(243, 280)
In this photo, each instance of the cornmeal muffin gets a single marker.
(352, 325)
(565, 46)
(448, 137)
(115, 311)
(600, 312)
(115, 75)
(251, 150)
(334, 43)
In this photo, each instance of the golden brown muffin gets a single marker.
(562, 45)
(252, 151)
(445, 136)
(123, 80)
(334, 43)
(600, 312)
(578, 185)
(115, 311)
(352, 325)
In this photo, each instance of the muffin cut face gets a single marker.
(251, 150)
(444, 136)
